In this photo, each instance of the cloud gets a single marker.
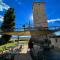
(31, 17)
(1, 18)
(57, 33)
(3, 6)
(53, 20)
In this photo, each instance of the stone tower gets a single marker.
(39, 15)
(40, 21)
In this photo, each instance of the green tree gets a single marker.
(8, 24)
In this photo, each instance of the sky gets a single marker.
(24, 14)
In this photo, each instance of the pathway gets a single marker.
(24, 55)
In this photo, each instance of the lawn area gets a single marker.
(12, 44)
(7, 45)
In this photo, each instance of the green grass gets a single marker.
(11, 44)
(7, 45)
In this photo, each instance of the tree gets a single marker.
(8, 24)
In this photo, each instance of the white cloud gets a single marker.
(53, 20)
(1, 18)
(31, 17)
(57, 33)
(3, 6)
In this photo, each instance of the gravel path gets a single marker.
(24, 55)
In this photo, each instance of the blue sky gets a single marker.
(24, 14)
(23, 11)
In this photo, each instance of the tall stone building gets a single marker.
(40, 21)
(39, 15)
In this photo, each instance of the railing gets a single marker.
(53, 28)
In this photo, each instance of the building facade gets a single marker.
(55, 41)
(40, 20)
(39, 15)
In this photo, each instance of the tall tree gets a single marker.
(8, 24)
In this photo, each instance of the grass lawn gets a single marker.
(12, 44)
(7, 45)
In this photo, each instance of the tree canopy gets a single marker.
(8, 24)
